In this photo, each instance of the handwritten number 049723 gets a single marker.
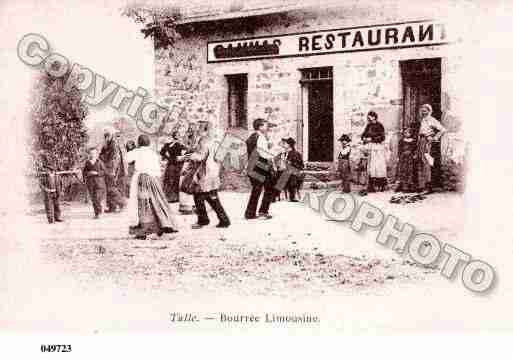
(52, 348)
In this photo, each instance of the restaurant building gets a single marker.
(316, 72)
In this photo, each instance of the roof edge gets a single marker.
(240, 14)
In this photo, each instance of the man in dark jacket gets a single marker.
(51, 186)
(93, 175)
(113, 157)
(294, 165)
(260, 170)
(289, 163)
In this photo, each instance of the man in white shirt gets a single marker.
(260, 170)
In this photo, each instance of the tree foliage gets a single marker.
(158, 21)
(57, 120)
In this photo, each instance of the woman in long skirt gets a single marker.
(148, 207)
(187, 206)
(430, 130)
(406, 167)
(374, 136)
(171, 182)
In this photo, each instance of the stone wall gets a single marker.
(363, 81)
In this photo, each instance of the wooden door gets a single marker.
(421, 85)
(320, 121)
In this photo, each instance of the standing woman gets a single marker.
(186, 206)
(374, 136)
(207, 180)
(169, 152)
(148, 208)
(430, 130)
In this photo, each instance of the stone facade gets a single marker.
(196, 90)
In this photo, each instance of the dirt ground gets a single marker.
(276, 257)
(88, 272)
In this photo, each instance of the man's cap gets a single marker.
(290, 141)
(344, 138)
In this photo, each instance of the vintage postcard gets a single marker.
(254, 166)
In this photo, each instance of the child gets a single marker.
(291, 161)
(281, 164)
(93, 175)
(50, 184)
(344, 167)
(406, 168)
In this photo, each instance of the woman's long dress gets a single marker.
(148, 208)
(187, 200)
(171, 182)
(377, 163)
(423, 165)
(429, 127)
(406, 169)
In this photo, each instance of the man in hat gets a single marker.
(113, 156)
(51, 186)
(291, 178)
(260, 170)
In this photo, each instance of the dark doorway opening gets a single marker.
(237, 101)
(421, 85)
(319, 85)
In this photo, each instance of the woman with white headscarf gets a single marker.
(430, 130)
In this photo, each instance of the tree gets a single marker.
(57, 120)
(159, 22)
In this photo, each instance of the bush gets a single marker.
(58, 132)
(453, 176)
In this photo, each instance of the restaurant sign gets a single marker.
(361, 38)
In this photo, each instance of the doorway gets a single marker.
(422, 84)
(317, 85)
(237, 101)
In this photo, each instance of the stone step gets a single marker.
(316, 176)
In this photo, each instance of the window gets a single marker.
(317, 74)
(237, 100)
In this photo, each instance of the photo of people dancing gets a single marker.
(191, 177)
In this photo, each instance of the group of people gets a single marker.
(103, 171)
(416, 160)
(191, 172)
(148, 201)
(130, 174)
(271, 173)
(107, 171)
